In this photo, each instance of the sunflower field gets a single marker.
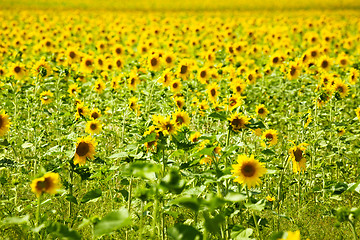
(184, 120)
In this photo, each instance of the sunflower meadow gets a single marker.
(185, 121)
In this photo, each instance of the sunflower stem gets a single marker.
(352, 224)
(71, 176)
(253, 214)
(38, 211)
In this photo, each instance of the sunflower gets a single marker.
(180, 102)
(275, 60)
(133, 105)
(119, 62)
(183, 70)
(154, 63)
(292, 235)
(341, 131)
(234, 102)
(261, 110)
(353, 76)
(133, 81)
(194, 137)
(100, 62)
(270, 137)
(87, 64)
(118, 49)
(343, 60)
(167, 126)
(175, 85)
(95, 113)
(152, 144)
(238, 87)
(72, 55)
(341, 88)
(4, 123)
(203, 75)
(297, 155)
(324, 63)
(85, 148)
(81, 111)
(181, 118)
(294, 71)
(323, 97)
(238, 122)
(166, 77)
(169, 59)
(93, 127)
(357, 111)
(42, 68)
(46, 97)
(248, 171)
(48, 183)
(212, 91)
(73, 89)
(18, 70)
(99, 86)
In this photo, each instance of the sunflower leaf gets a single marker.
(93, 194)
(112, 222)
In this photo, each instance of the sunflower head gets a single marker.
(181, 118)
(49, 183)
(238, 122)
(270, 137)
(93, 127)
(85, 148)
(248, 171)
(261, 110)
(297, 155)
(4, 123)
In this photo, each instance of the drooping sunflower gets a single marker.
(81, 110)
(357, 111)
(99, 86)
(4, 123)
(166, 78)
(175, 85)
(133, 105)
(212, 91)
(238, 122)
(46, 97)
(85, 148)
(93, 127)
(152, 144)
(248, 171)
(354, 76)
(181, 118)
(270, 137)
(234, 102)
(74, 89)
(133, 81)
(261, 110)
(341, 87)
(180, 102)
(48, 183)
(95, 113)
(297, 155)
(183, 71)
(42, 68)
(195, 137)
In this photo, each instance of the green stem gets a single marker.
(253, 214)
(352, 224)
(38, 211)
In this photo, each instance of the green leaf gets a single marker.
(354, 187)
(218, 115)
(235, 197)
(63, 232)
(205, 151)
(148, 138)
(112, 222)
(71, 198)
(184, 232)
(4, 143)
(259, 206)
(119, 155)
(213, 224)
(16, 220)
(27, 145)
(93, 194)
(189, 202)
(268, 152)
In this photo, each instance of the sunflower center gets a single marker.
(343, 62)
(95, 115)
(100, 62)
(180, 119)
(82, 149)
(1, 122)
(248, 170)
(88, 63)
(232, 102)
(313, 53)
(213, 92)
(80, 111)
(292, 71)
(72, 54)
(275, 60)
(236, 122)
(203, 74)
(93, 126)
(154, 62)
(261, 111)
(118, 63)
(250, 77)
(324, 64)
(1, 72)
(17, 69)
(168, 60)
(340, 89)
(118, 50)
(175, 85)
(269, 136)
(41, 185)
(238, 89)
(298, 155)
(183, 69)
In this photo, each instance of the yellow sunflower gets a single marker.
(195, 137)
(99, 86)
(167, 126)
(4, 123)
(292, 235)
(175, 85)
(73, 89)
(93, 127)
(235, 101)
(46, 97)
(270, 137)
(238, 87)
(85, 148)
(95, 113)
(181, 118)
(297, 155)
(248, 171)
(341, 87)
(357, 111)
(87, 64)
(238, 122)
(180, 102)
(154, 63)
(81, 110)
(48, 183)
(212, 91)
(261, 110)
